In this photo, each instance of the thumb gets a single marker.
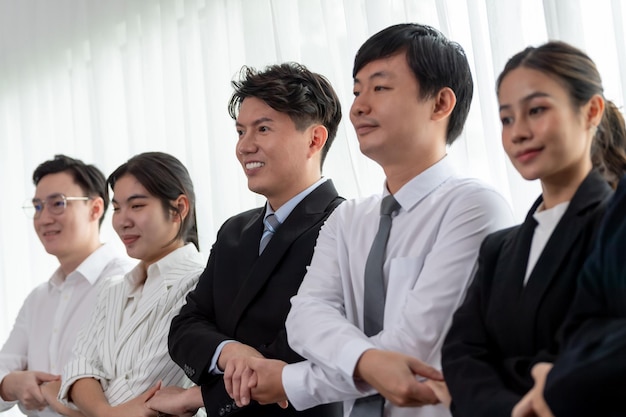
(151, 391)
(420, 368)
(45, 377)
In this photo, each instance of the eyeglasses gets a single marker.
(56, 204)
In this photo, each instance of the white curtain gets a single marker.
(104, 80)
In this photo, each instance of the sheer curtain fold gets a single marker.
(105, 80)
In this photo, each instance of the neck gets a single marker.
(397, 175)
(559, 189)
(69, 263)
(278, 201)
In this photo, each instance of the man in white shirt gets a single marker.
(70, 201)
(412, 90)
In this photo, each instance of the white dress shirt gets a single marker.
(431, 254)
(130, 355)
(546, 223)
(48, 322)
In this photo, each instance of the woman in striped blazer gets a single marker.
(121, 356)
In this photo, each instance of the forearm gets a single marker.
(88, 396)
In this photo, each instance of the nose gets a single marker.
(121, 220)
(360, 105)
(45, 217)
(246, 144)
(519, 130)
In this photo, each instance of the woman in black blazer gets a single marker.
(558, 128)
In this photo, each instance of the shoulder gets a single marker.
(494, 241)
(457, 188)
(241, 220)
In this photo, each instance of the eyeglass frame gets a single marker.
(31, 205)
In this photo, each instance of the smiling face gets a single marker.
(391, 120)
(147, 231)
(278, 159)
(543, 134)
(73, 234)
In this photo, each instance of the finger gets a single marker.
(423, 393)
(524, 407)
(236, 381)
(42, 377)
(253, 381)
(244, 389)
(283, 404)
(151, 391)
(420, 368)
(228, 383)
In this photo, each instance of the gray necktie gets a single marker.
(271, 225)
(374, 299)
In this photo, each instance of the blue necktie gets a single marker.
(271, 225)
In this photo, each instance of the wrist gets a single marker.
(194, 398)
(4, 390)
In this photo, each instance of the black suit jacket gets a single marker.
(589, 376)
(244, 296)
(503, 327)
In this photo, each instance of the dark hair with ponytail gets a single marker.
(579, 75)
(166, 178)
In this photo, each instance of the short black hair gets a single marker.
(90, 179)
(290, 88)
(166, 178)
(436, 62)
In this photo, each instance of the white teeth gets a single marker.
(252, 165)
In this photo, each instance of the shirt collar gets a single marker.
(89, 270)
(158, 272)
(285, 210)
(423, 184)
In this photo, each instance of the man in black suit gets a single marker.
(587, 378)
(286, 119)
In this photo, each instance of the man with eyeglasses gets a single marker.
(68, 208)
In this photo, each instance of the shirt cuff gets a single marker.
(349, 355)
(214, 369)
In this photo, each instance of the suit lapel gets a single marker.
(304, 216)
(593, 190)
(512, 263)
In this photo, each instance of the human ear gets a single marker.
(317, 138)
(97, 208)
(182, 204)
(445, 100)
(594, 109)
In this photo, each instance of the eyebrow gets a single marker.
(377, 74)
(526, 99)
(257, 122)
(131, 198)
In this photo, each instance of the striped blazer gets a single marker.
(128, 357)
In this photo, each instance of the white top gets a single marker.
(546, 223)
(47, 324)
(431, 254)
(128, 357)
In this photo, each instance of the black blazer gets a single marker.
(589, 376)
(503, 328)
(244, 296)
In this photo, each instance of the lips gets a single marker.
(129, 239)
(364, 125)
(527, 154)
(364, 128)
